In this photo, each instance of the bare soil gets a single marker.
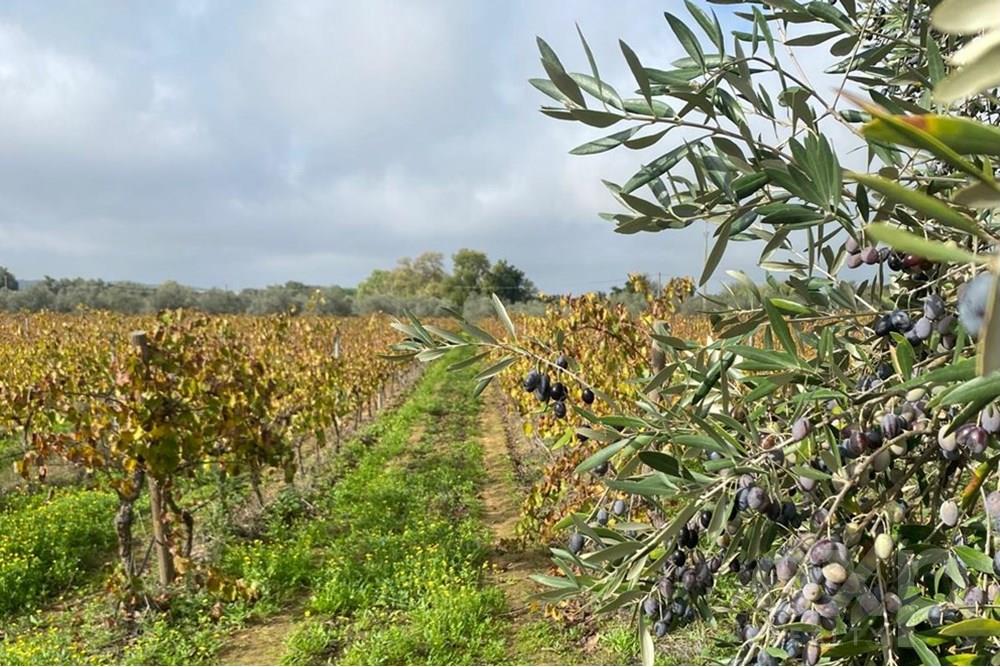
(259, 644)
(505, 457)
(502, 495)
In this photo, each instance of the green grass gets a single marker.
(404, 549)
(86, 631)
(46, 545)
(47, 646)
(186, 634)
(543, 641)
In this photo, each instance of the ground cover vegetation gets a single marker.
(148, 442)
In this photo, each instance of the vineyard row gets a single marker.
(173, 404)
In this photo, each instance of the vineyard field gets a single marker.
(219, 417)
(300, 549)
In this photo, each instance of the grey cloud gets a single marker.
(238, 144)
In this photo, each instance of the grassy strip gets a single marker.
(45, 545)
(405, 551)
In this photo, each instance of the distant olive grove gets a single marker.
(421, 285)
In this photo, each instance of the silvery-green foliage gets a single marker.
(834, 447)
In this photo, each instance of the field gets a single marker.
(316, 501)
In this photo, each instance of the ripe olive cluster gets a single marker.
(686, 573)
(545, 389)
(914, 265)
(935, 329)
(755, 498)
(933, 319)
(820, 580)
(856, 255)
(970, 439)
(823, 580)
(818, 586)
(918, 329)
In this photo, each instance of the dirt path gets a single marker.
(260, 644)
(534, 639)
(502, 498)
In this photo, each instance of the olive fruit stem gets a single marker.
(862, 467)
(887, 645)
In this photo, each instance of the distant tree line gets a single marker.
(421, 285)
(472, 275)
(70, 294)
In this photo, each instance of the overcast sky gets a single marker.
(249, 143)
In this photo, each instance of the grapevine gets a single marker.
(172, 401)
